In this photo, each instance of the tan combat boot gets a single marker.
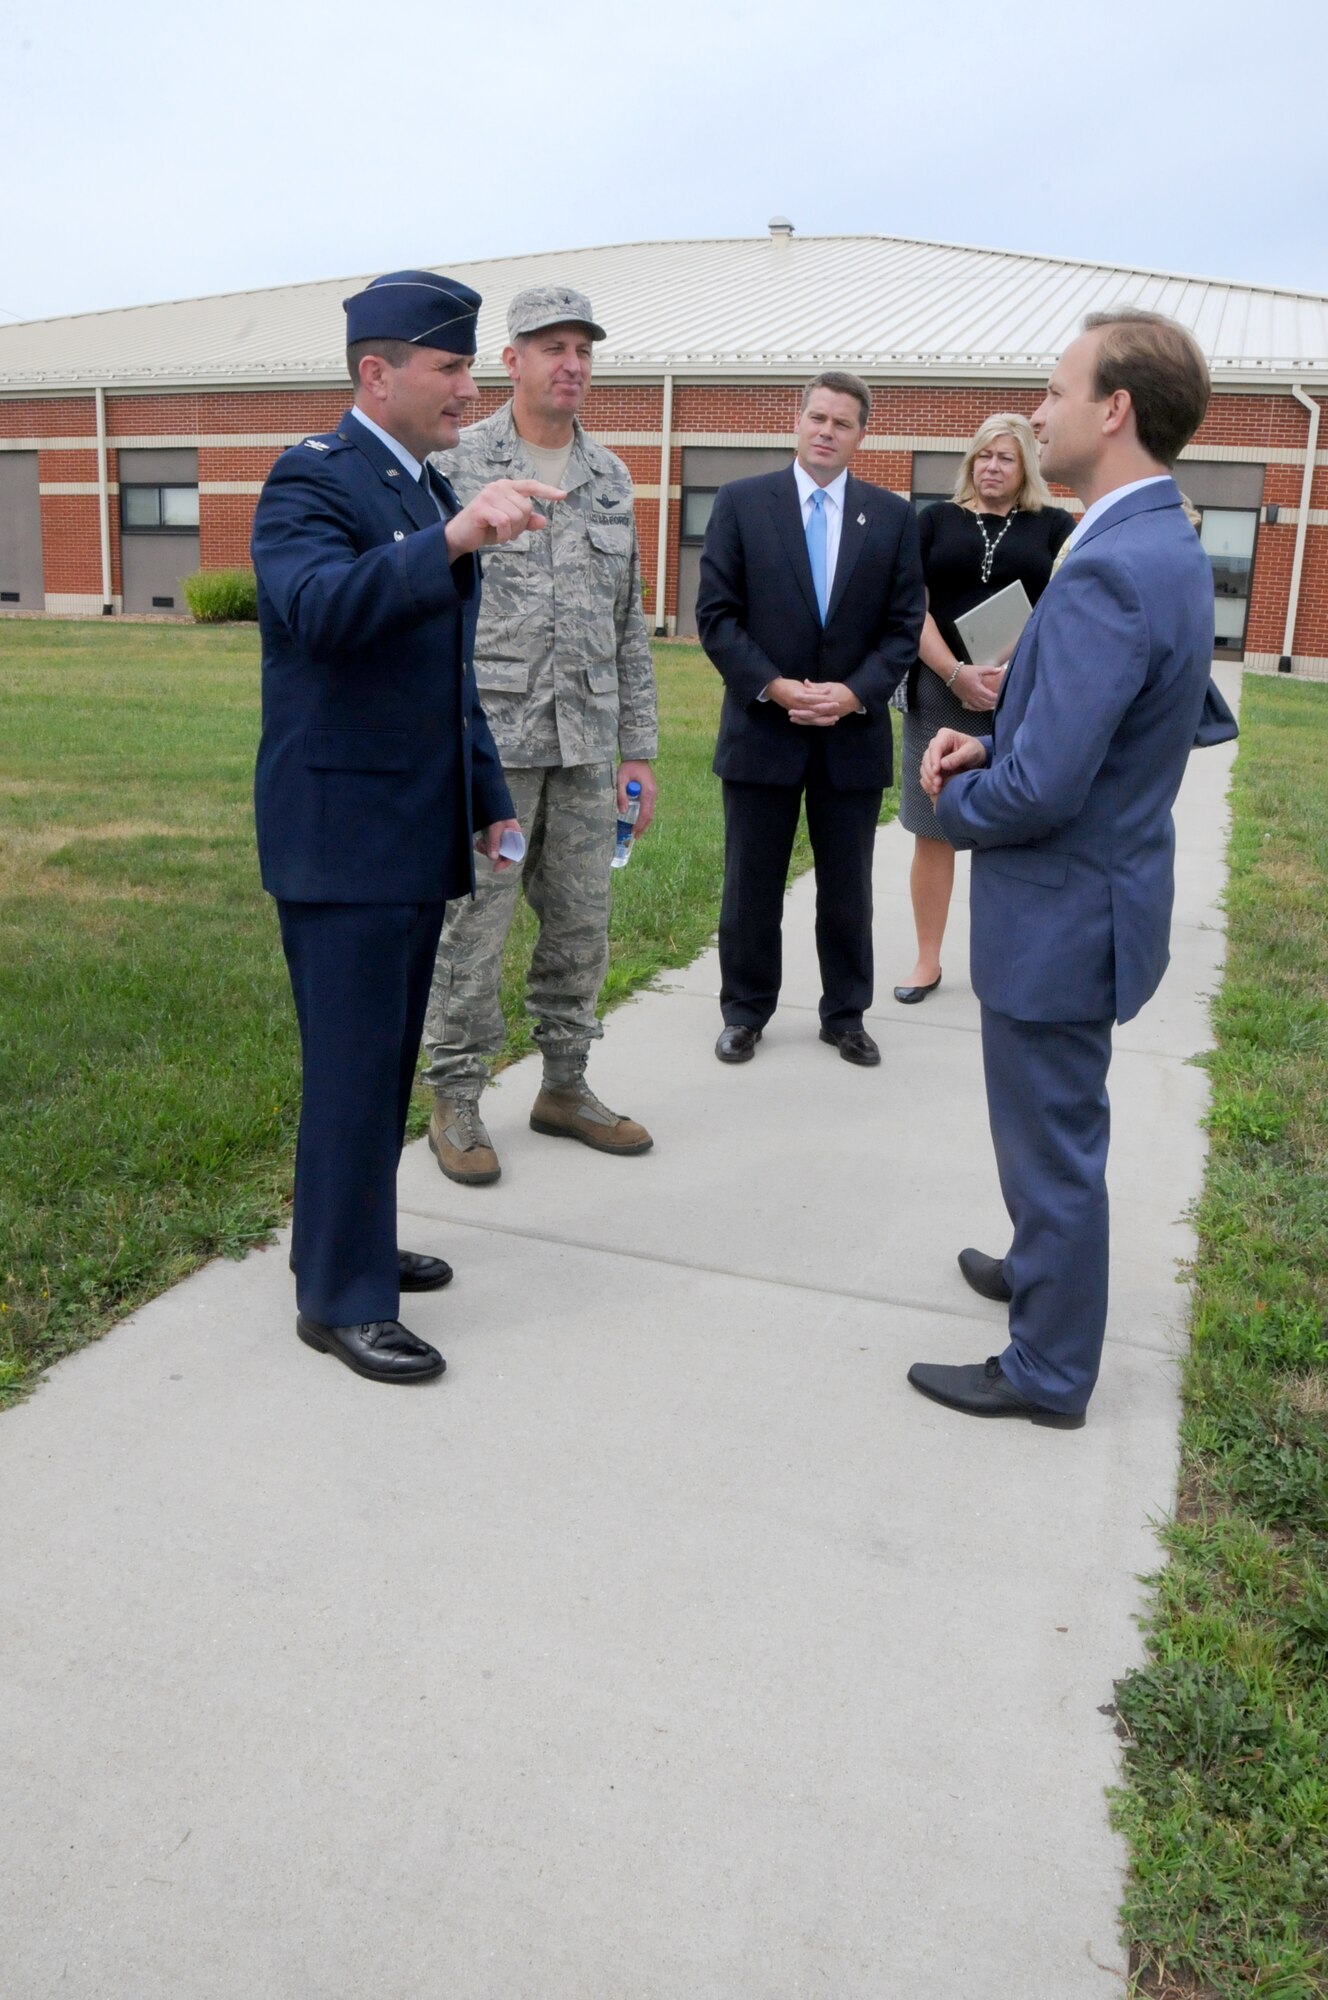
(572, 1111)
(459, 1142)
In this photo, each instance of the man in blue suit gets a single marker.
(375, 769)
(1069, 820)
(810, 606)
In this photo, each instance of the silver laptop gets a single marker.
(993, 625)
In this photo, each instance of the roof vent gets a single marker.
(781, 229)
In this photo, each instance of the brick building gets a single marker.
(133, 444)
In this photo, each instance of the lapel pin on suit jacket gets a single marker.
(862, 520)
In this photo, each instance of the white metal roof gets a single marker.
(727, 308)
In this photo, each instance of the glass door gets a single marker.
(1227, 535)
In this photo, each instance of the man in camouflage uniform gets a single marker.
(567, 682)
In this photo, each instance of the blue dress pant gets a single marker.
(760, 822)
(1050, 1125)
(360, 975)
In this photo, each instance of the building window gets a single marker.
(1227, 535)
(697, 502)
(165, 509)
(932, 478)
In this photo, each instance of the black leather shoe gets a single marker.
(737, 1044)
(854, 1044)
(908, 996)
(986, 1275)
(981, 1389)
(422, 1274)
(416, 1273)
(382, 1349)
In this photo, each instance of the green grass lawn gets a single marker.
(1226, 1801)
(148, 1054)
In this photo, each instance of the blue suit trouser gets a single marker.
(1050, 1125)
(360, 976)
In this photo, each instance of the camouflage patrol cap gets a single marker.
(551, 305)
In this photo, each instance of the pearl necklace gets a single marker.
(989, 548)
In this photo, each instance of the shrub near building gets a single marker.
(222, 596)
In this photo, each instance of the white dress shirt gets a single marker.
(399, 452)
(834, 516)
(1108, 500)
(834, 521)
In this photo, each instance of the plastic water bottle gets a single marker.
(626, 834)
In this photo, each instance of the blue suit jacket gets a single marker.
(1071, 820)
(757, 618)
(375, 763)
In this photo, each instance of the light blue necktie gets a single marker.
(816, 550)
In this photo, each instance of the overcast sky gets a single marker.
(154, 151)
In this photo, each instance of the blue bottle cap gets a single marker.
(633, 788)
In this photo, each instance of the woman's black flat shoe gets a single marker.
(908, 996)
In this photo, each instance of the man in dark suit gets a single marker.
(810, 605)
(1068, 813)
(375, 769)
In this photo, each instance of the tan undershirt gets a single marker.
(549, 465)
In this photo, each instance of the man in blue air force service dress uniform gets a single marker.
(1067, 811)
(376, 775)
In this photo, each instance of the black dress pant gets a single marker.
(360, 975)
(760, 822)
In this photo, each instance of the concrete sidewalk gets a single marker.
(671, 1648)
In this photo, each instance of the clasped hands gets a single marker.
(814, 704)
(978, 687)
(499, 513)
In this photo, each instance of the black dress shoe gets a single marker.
(986, 1275)
(416, 1273)
(981, 1389)
(737, 1044)
(382, 1349)
(854, 1044)
(422, 1274)
(908, 996)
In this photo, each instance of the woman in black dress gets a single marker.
(1000, 528)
